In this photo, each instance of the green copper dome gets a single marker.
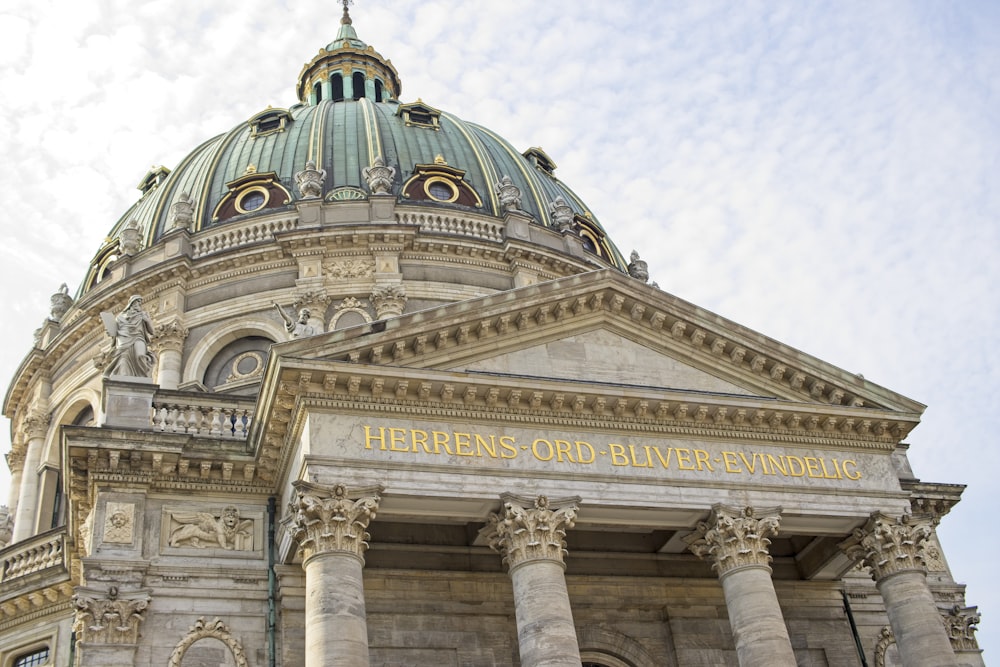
(347, 119)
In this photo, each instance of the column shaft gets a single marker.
(27, 498)
(169, 374)
(755, 617)
(336, 629)
(545, 631)
(921, 637)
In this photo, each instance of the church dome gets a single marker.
(349, 118)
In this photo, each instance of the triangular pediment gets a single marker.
(603, 356)
(600, 327)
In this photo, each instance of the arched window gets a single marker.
(378, 90)
(358, 80)
(39, 656)
(318, 92)
(337, 88)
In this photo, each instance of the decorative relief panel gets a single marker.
(350, 268)
(119, 523)
(206, 530)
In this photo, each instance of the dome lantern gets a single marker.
(348, 69)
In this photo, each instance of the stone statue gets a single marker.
(6, 526)
(310, 181)
(379, 176)
(509, 194)
(562, 215)
(638, 268)
(60, 303)
(203, 530)
(131, 331)
(300, 328)
(182, 212)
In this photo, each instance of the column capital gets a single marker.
(332, 519)
(735, 537)
(169, 336)
(961, 623)
(888, 545)
(111, 618)
(36, 424)
(530, 529)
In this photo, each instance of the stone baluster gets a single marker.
(529, 534)
(735, 541)
(893, 550)
(36, 425)
(330, 525)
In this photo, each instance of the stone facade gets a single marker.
(461, 438)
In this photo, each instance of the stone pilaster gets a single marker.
(893, 550)
(735, 540)
(35, 426)
(107, 625)
(960, 623)
(530, 535)
(329, 524)
(168, 342)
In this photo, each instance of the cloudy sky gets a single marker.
(824, 173)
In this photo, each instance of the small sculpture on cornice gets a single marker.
(310, 181)
(203, 530)
(300, 328)
(637, 268)
(131, 331)
(379, 176)
(562, 215)
(509, 194)
(59, 303)
(130, 238)
(6, 526)
(389, 300)
(182, 212)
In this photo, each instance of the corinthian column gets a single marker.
(329, 525)
(168, 342)
(893, 550)
(735, 541)
(529, 534)
(36, 425)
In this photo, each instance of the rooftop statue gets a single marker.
(300, 328)
(379, 176)
(131, 331)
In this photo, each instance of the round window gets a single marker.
(441, 191)
(252, 201)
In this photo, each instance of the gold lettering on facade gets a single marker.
(566, 450)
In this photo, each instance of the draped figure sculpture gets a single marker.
(130, 330)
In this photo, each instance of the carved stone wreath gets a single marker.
(214, 630)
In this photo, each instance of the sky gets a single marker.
(822, 172)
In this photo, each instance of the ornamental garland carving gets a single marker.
(887, 545)
(886, 640)
(112, 619)
(735, 537)
(350, 268)
(214, 630)
(325, 519)
(528, 530)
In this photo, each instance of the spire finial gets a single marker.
(346, 18)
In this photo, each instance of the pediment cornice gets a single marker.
(470, 330)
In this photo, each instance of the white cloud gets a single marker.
(823, 173)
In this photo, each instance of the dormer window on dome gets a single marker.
(418, 114)
(540, 160)
(251, 193)
(594, 240)
(153, 177)
(440, 183)
(269, 121)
